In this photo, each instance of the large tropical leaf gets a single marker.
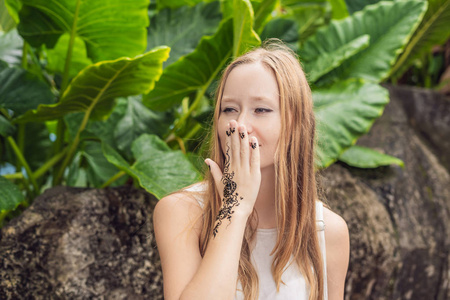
(244, 37)
(309, 15)
(6, 21)
(194, 71)
(11, 47)
(98, 85)
(362, 157)
(345, 111)
(56, 57)
(389, 25)
(434, 30)
(283, 29)
(321, 65)
(10, 197)
(110, 29)
(21, 91)
(356, 5)
(181, 29)
(158, 169)
(339, 9)
(137, 120)
(6, 128)
(176, 3)
(263, 12)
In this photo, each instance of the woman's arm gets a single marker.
(338, 251)
(186, 274)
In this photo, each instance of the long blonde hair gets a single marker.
(295, 177)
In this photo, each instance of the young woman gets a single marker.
(255, 229)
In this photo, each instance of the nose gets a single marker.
(244, 119)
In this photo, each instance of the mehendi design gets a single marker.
(230, 198)
(242, 135)
(253, 145)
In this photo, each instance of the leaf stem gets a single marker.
(21, 143)
(24, 163)
(25, 55)
(50, 163)
(113, 178)
(66, 74)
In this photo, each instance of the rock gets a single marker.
(84, 244)
(398, 218)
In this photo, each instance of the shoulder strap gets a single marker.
(320, 224)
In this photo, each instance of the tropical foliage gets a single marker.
(98, 94)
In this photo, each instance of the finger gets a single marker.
(216, 174)
(255, 160)
(235, 144)
(245, 155)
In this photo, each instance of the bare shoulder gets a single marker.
(177, 222)
(180, 207)
(335, 226)
(337, 244)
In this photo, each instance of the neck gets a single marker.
(265, 202)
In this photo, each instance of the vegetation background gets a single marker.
(106, 93)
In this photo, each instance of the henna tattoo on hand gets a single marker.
(230, 197)
(242, 135)
(253, 145)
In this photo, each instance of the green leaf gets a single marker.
(158, 169)
(320, 65)
(56, 57)
(389, 25)
(98, 169)
(13, 7)
(356, 5)
(283, 29)
(11, 47)
(161, 4)
(6, 129)
(309, 15)
(6, 21)
(244, 37)
(339, 9)
(262, 10)
(21, 90)
(181, 29)
(109, 29)
(345, 111)
(362, 157)
(37, 146)
(194, 71)
(10, 197)
(98, 85)
(433, 30)
(138, 120)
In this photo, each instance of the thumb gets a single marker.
(216, 174)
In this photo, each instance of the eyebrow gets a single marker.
(256, 98)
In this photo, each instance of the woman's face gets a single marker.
(251, 97)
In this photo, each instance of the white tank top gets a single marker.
(296, 287)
